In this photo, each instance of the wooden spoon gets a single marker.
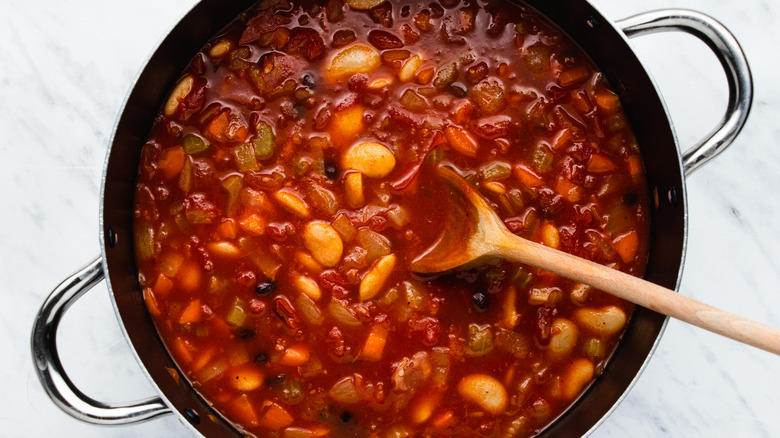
(474, 234)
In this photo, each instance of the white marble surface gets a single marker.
(65, 67)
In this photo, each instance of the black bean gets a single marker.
(245, 333)
(308, 81)
(261, 358)
(480, 301)
(458, 90)
(275, 380)
(265, 288)
(331, 170)
(346, 416)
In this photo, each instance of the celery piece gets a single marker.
(232, 184)
(194, 144)
(480, 340)
(594, 349)
(514, 343)
(495, 170)
(415, 296)
(264, 142)
(521, 278)
(309, 309)
(245, 158)
(144, 241)
(290, 391)
(446, 75)
(537, 58)
(185, 178)
(413, 101)
(301, 164)
(542, 158)
(237, 314)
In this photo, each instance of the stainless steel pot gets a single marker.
(605, 41)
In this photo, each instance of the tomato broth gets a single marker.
(290, 179)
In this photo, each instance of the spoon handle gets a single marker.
(641, 292)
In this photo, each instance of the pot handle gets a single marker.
(49, 368)
(731, 57)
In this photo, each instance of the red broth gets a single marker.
(289, 181)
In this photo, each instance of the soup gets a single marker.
(290, 179)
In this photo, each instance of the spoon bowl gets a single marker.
(474, 234)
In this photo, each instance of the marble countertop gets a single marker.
(65, 68)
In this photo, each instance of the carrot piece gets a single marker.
(528, 177)
(423, 406)
(346, 125)
(151, 302)
(573, 76)
(243, 411)
(189, 277)
(253, 224)
(215, 129)
(562, 138)
(295, 355)
(599, 163)
(276, 417)
(163, 285)
(461, 140)
(580, 101)
(607, 101)
(627, 245)
(182, 350)
(191, 313)
(172, 162)
(635, 167)
(443, 420)
(227, 229)
(375, 344)
(570, 191)
(202, 360)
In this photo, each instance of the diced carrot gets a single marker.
(574, 76)
(202, 360)
(375, 344)
(346, 125)
(599, 163)
(276, 417)
(163, 285)
(220, 327)
(215, 129)
(227, 229)
(182, 349)
(189, 277)
(562, 138)
(627, 245)
(635, 167)
(191, 313)
(246, 377)
(461, 140)
(607, 101)
(550, 235)
(243, 411)
(570, 191)
(423, 406)
(172, 162)
(223, 249)
(443, 420)
(254, 224)
(528, 177)
(295, 355)
(151, 302)
(462, 112)
(580, 101)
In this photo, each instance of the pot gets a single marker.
(606, 43)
